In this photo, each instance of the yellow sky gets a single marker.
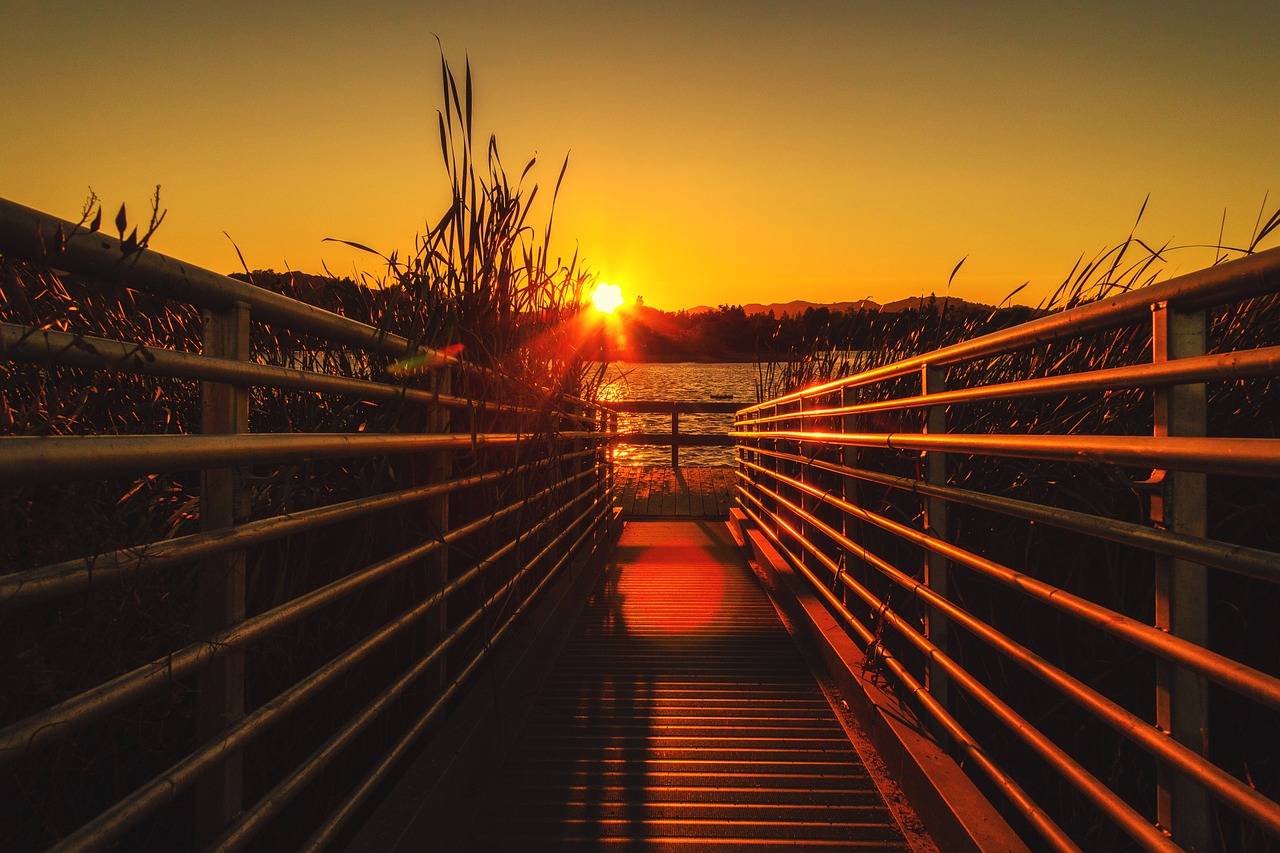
(721, 152)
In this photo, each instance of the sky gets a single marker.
(719, 152)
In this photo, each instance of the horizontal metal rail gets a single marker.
(270, 804)
(39, 237)
(54, 458)
(43, 346)
(493, 480)
(803, 465)
(972, 750)
(1242, 457)
(137, 806)
(69, 716)
(1248, 681)
(1232, 366)
(1221, 784)
(1254, 562)
(75, 576)
(675, 438)
(1253, 275)
(31, 235)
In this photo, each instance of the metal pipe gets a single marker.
(52, 458)
(1244, 799)
(1247, 457)
(1254, 562)
(72, 576)
(324, 835)
(1221, 367)
(38, 237)
(1245, 680)
(1253, 275)
(972, 750)
(127, 812)
(72, 714)
(32, 236)
(45, 346)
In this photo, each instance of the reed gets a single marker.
(483, 282)
(1243, 612)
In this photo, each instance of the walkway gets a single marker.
(682, 715)
(665, 492)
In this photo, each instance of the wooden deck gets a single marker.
(663, 492)
(681, 716)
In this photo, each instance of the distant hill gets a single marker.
(798, 306)
(913, 303)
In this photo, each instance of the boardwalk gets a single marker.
(682, 715)
(663, 492)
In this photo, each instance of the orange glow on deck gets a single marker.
(680, 591)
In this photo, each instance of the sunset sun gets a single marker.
(607, 297)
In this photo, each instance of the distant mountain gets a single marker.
(799, 306)
(913, 303)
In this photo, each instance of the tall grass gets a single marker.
(483, 282)
(1244, 613)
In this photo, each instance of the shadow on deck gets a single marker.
(664, 704)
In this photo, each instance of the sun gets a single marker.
(607, 297)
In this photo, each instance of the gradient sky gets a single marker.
(720, 152)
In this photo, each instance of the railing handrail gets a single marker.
(803, 454)
(39, 237)
(1251, 275)
(673, 438)
(536, 496)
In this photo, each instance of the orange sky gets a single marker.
(722, 152)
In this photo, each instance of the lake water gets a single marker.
(678, 381)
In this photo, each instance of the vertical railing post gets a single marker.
(807, 503)
(613, 443)
(771, 464)
(675, 438)
(933, 380)
(439, 468)
(848, 484)
(224, 410)
(1180, 506)
(580, 463)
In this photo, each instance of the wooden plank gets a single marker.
(663, 492)
(680, 711)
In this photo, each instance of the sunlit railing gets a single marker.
(675, 438)
(265, 685)
(1019, 539)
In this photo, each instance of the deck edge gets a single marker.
(953, 810)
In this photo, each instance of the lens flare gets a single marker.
(607, 297)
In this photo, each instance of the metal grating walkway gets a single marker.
(681, 716)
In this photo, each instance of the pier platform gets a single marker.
(664, 492)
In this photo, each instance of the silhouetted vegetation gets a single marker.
(1244, 613)
(729, 333)
(482, 284)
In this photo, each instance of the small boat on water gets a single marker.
(721, 396)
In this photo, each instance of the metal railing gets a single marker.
(263, 686)
(1031, 589)
(675, 438)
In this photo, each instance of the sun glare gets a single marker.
(607, 297)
